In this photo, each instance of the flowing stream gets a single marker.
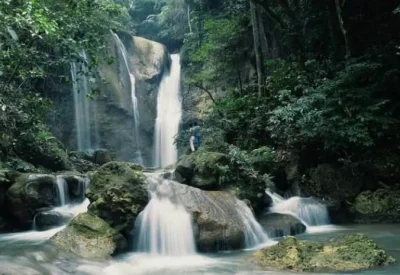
(169, 112)
(312, 213)
(135, 109)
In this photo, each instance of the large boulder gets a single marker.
(102, 156)
(381, 206)
(279, 225)
(90, 237)
(50, 219)
(118, 193)
(347, 253)
(29, 194)
(201, 169)
(338, 187)
(218, 217)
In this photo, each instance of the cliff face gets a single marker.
(111, 112)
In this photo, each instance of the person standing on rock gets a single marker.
(195, 137)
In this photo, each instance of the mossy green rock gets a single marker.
(118, 193)
(382, 205)
(90, 237)
(346, 253)
(201, 169)
(29, 194)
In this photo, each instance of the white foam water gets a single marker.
(62, 190)
(165, 227)
(168, 115)
(308, 210)
(254, 234)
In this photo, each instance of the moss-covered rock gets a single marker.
(202, 169)
(50, 219)
(118, 193)
(90, 237)
(102, 156)
(279, 225)
(29, 194)
(347, 253)
(382, 205)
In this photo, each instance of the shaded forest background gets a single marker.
(300, 90)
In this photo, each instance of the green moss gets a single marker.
(380, 206)
(118, 193)
(346, 253)
(90, 237)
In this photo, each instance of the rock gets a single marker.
(77, 185)
(347, 253)
(118, 193)
(201, 169)
(90, 237)
(337, 187)
(29, 194)
(47, 220)
(83, 162)
(102, 156)
(279, 225)
(218, 224)
(381, 206)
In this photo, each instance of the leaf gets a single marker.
(3, 108)
(12, 33)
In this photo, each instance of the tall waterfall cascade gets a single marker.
(169, 113)
(308, 210)
(84, 107)
(132, 82)
(165, 227)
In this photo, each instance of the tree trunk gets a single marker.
(257, 48)
(343, 28)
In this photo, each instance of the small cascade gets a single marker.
(62, 190)
(169, 112)
(254, 233)
(308, 210)
(164, 226)
(138, 158)
(84, 107)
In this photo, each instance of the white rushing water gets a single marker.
(62, 190)
(254, 234)
(169, 112)
(138, 158)
(308, 210)
(165, 227)
(82, 104)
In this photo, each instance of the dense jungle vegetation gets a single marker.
(302, 86)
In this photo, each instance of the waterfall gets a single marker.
(62, 190)
(308, 210)
(138, 158)
(254, 234)
(82, 105)
(168, 115)
(165, 227)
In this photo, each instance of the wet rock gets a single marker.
(30, 193)
(90, 237)
(47, 220)
(218, 224)
(201, 169)
(346, 253)
(102, 156)
(118, 193)
(83, 162)
(381, 206)
(279, 225)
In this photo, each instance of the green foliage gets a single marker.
(39, 40)
(344, 112)
(220, 54)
